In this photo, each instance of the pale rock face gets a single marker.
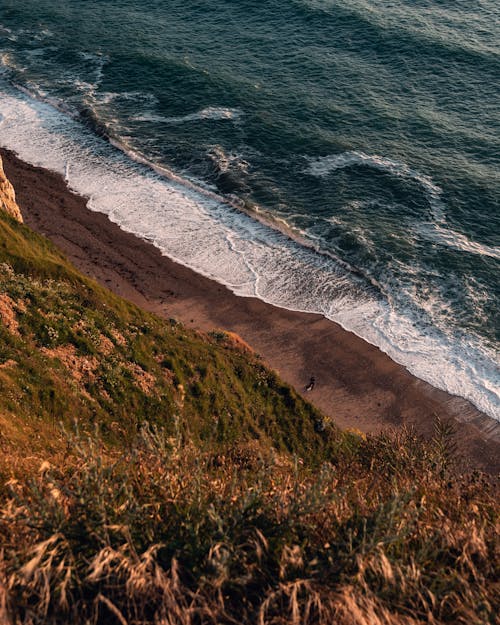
(8, 197)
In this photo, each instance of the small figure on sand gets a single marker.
(311, 384)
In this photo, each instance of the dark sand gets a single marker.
(356, 384)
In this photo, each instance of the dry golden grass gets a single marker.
(164, 533)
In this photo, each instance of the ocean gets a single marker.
(332, 156)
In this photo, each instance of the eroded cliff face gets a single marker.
(8, 197)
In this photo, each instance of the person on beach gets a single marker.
(311, 384)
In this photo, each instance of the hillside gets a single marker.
(70, 349)
(153, 474)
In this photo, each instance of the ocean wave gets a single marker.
(227, 161)
(456, 240)
(210, 113)
(9, 63)
(85, 79)
(138, 97)
(98, 62)
(437, 230)
(5, 31)
(439, 31)
(325, 165)
(43, 34)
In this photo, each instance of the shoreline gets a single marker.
(357, 385)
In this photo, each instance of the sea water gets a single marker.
(331, 156)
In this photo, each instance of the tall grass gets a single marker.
(166, 534)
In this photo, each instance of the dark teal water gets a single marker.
(367, 131)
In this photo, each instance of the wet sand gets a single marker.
(357, 385)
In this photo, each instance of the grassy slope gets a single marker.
(75, 350)
(188, 485)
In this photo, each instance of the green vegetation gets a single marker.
(152, 474)
(71, 349)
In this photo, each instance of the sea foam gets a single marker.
(435, 229)
(210, 113)
(323, 166)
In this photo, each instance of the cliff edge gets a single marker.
(8, 197)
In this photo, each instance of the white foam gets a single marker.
(45, 33)
(7, 62)
(325, 165)
(97, 61)
(196, 228)
(212, 113)
(140, 97)
(450, 238)
(437, 230)
(227, 161)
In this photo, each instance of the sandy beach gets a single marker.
(356, 385)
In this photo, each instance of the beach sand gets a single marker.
(357, 385)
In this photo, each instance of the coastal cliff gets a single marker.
(150, 472)
(8, 197)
